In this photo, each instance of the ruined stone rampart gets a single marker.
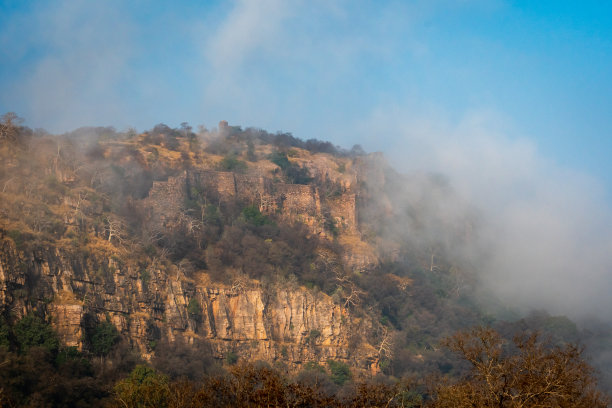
(292, 202)
(222, 183)
(251, 187)
(344, 211)
(167, 198)
(299, 199)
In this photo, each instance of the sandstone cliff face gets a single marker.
(284, 323)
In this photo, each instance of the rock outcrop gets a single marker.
(285, 322)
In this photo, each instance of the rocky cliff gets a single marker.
(283, 322)
(76, 249)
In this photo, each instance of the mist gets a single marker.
(540, 235)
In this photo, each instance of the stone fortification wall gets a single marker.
(167, 198)
(298, 199)
(251, 187)
(295, 202)
(344, 211)
(230, 186)
(222, 183)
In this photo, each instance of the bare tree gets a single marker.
(239, 285)
(151, 233)
(6, 183)
(192, 226)
(351, 293)
(387, 342)
(535, 374)
(432, 265)
(115, 228)
(78, 208)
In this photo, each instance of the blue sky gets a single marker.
(540, 70)
(509, 100)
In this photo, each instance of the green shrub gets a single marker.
(5, 332)
(252, 215)
(231, 358)
(231, 163)
(280, 159)
(313, 336)
(211, 215)
(194, 309)
(144, 387)
(251, 156)
(294, 173)
(340, 372)
(330, 225)
(32, 331)
(145, 276)
(103, 338)
(314, 366)
(73, 357)
(17, 238)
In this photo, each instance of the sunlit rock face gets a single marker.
(283, 322)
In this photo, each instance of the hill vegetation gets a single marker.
(144, 236)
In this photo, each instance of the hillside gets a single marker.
(239, 245)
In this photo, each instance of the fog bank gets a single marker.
(543, 237)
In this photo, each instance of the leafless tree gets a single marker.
(351, 293)
(239, 285)
(536, 374)
(151, 233)
(6, 183)
(115, 228)
(191, 225)
(387, 342)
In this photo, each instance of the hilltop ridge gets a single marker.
(239, 244)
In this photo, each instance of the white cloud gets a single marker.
(250, 27)
(80, 53)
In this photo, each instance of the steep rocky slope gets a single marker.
(283, 322)
(69, 252)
